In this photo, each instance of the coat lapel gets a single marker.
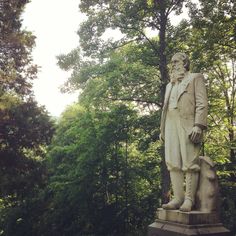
(183, 86)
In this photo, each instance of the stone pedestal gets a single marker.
(177, 223)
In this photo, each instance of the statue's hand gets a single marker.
(196, 134)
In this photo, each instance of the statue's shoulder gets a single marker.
(197, 75)
(168, 86)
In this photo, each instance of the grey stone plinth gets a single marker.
(188, 218)
(164, 228)
(178, 223)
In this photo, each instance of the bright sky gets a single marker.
(54, 23)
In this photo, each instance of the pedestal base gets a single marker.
(177, 223)
(188, 218)
(164, 228)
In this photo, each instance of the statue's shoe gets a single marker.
(187, 205)
(174, 204)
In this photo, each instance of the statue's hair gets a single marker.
(185, 59)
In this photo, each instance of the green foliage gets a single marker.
(130, 74)
(101, 183)
(25, 128)
(16, 68)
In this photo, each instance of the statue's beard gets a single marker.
(177, 74)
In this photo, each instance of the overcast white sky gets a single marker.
(54, 23)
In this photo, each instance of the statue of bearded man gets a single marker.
(184, 118)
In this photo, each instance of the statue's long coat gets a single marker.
(190, 111)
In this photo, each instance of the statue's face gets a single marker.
(177, 63)
(177, 68)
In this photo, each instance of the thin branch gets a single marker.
(172, 6)
(149, 40)
(226, 68)
(124, 43)
(214, 121)
(142, 33)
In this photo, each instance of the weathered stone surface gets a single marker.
(189, 218)
(207, 198)
(164, 228)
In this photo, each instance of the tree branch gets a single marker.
(142, 33)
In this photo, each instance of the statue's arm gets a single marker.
(201, 102)
(201, 109)
(163, 113)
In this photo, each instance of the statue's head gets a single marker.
(179, 66)
(180, 59)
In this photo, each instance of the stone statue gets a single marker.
(194, 211)
(184, 118)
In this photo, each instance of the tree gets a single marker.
(25, 128)
(16, 68)
(99, 182)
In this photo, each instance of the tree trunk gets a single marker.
(165, 178)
